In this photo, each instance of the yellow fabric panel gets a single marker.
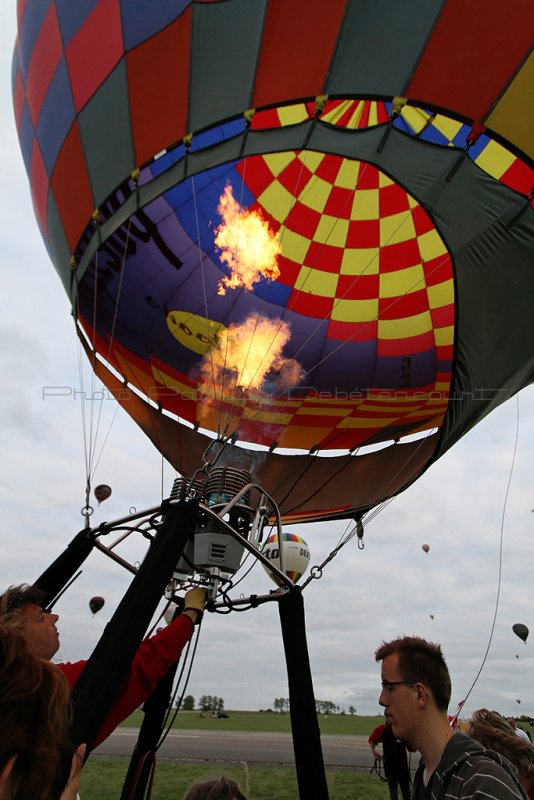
(373, 115)
(405, 328)
(384, 180)
(302, 436)
(442, 294)
(355, 310)
(316, 194)
(277, 162)
(444, 336)
(356, 117)
(311, 159)
(396, 228)
(292, 115)
(347, 176)
(404, 281)
(513, 116)
(366, 422)
(394, 399)
(364, 261)
(430, 245)
(277, 200)
(315, 281)
(293, 245)
(348, 403)
(389, 408)
(332, 231)
(180, 388)
(495, 159)
(270, 417)
(416, 118)
(448, 127)
(333, 411)
(365, 204)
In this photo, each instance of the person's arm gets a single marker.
(154, 658)
(374, 739)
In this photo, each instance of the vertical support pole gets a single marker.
(98, 685)
(309, 763)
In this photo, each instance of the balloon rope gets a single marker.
(501, 539)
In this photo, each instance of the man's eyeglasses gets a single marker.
(388, 686)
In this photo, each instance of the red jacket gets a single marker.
(154, 658)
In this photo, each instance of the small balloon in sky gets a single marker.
(102, 492)
(96, 603)
(521, 630)
(425, 547)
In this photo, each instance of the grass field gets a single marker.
(264, 721)
(102, 779)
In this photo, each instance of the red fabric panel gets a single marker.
(72, 191)
(39, 186)
(94, 51)
(21, 8)
(353, 332)
(472, 53)
(158, 77)
(45, 58)
(407, 345)
(298, 43)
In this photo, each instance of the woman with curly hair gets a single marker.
(494, 731)
(34, 712)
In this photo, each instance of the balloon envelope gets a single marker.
(295, 553)
(96, 603)
(425, 547)
(374, 310)
(102, 492)
(520, 630)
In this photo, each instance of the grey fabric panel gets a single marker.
(225, 44)
(58, 246)
(106, 135)
(380, 45)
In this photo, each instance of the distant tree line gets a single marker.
(209, 702)
(282, 704)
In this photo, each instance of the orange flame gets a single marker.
(247, 245)
(247, 352)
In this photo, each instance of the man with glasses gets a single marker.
(416, 689)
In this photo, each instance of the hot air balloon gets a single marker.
(388, 187)
(521, 630)
(431, 616)
(96, 603)
(425, 547)
(296, 556)
(102, 492)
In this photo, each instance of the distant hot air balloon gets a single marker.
(96, 603)
(425, 547)
(102, 492)
(518, 701)
(517, 656)
(520, 630)
(296, 555)
(431, 616)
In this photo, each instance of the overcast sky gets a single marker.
(389, 588)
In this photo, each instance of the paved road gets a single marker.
(256, 748)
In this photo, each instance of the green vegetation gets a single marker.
(103, 777)
(264, 721)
